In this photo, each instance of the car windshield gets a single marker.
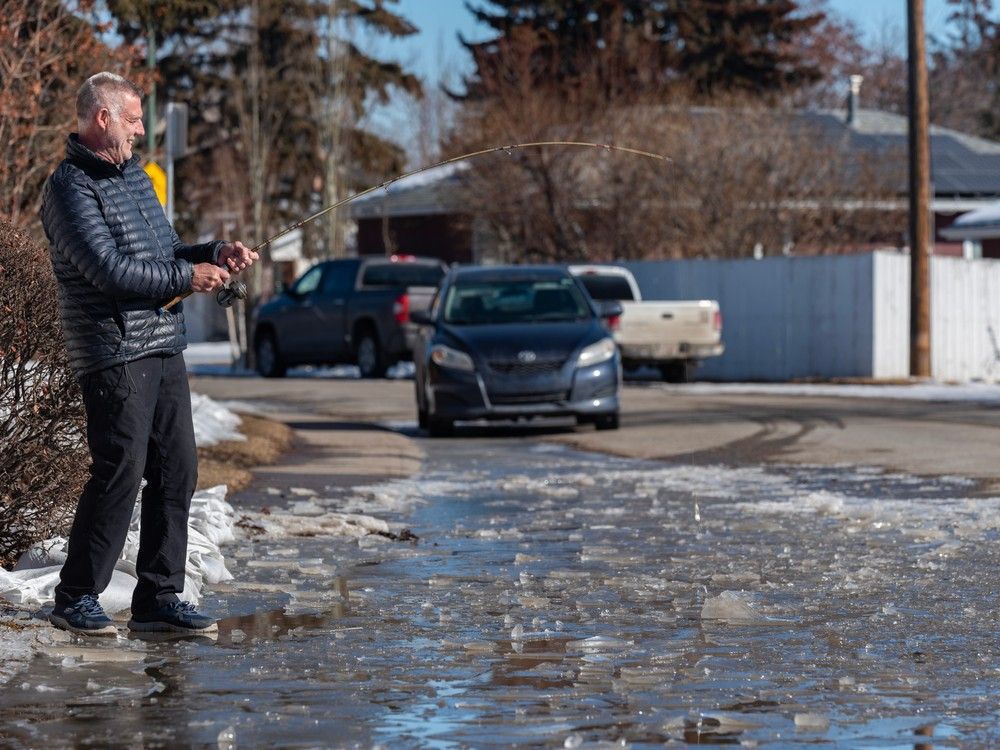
(402, 274)
(514, 301)
(607, 286)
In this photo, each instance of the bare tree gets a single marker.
(43, 456)
(744, 179)
(47, 49)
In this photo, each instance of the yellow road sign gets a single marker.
(159, 179)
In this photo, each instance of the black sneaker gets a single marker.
(177, 617)
(84, 616)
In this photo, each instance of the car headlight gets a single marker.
(594, 354)
(445, 356)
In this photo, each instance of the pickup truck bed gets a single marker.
(691, 325)
(671, 336)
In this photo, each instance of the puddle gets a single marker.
(567, 600)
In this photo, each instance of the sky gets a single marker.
(435, 49)
(436, 55)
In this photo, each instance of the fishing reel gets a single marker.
(228, 294)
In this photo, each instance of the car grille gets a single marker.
(526, 369)
(527, 398)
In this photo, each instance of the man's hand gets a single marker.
(208, 277)
(235, 257)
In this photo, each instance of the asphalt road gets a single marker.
(670, 423)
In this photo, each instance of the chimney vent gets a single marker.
(854, 98)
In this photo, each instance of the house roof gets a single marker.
(965, 169)
(962, 165)
(981, 224)
(433, 192)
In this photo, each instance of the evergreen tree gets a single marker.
(617, 47)
(645, 46)
(743, 45)
(965, 71)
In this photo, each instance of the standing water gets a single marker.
(562, 599)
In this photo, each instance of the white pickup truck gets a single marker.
(672, 336)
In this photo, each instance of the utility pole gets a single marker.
(151, 99)
(920, 167)
(175, 146)
(335, 102)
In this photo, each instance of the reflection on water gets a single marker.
(559, 599)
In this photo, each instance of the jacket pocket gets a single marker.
(119, 319)
(106, 389)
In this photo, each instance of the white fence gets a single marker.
(965, 319)
(838, 316)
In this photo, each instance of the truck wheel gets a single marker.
(421, 411)
(437, 427)
(266, 357)
(368, 354)
(607, 421)
(678, 371)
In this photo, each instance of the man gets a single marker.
(117, 261)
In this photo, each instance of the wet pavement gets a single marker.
(565, 599)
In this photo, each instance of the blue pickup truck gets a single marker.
(354, 311)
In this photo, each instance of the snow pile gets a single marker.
(210, 524)
(983, 393)
(213, 422)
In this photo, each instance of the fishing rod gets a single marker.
(238, 290)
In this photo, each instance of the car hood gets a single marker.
(548, 341)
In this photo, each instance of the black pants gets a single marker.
(138, 425)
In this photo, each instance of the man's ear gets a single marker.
(103, 117)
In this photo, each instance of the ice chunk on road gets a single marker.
(729, 606)
(306, 508)
(598, 644)
(278, 525)
(812, 722)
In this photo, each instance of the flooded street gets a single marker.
(563, 599)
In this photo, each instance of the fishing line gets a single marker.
(237, 290)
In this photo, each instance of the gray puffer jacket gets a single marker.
(117, 261)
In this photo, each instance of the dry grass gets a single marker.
(230, 462)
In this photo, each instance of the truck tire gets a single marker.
(678, 371)
(368, 355)
(267, 358)
(437, 427)
(607, 421)
(421, 410)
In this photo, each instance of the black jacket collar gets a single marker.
(90, 162)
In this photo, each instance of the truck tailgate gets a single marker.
(665, 330)
(420, 297)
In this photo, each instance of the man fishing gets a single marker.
(116, 261)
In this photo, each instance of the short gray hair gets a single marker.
(103, 90)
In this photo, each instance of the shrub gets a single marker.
(43, 454)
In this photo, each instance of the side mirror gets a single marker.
(609, 309)
(421, 318)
